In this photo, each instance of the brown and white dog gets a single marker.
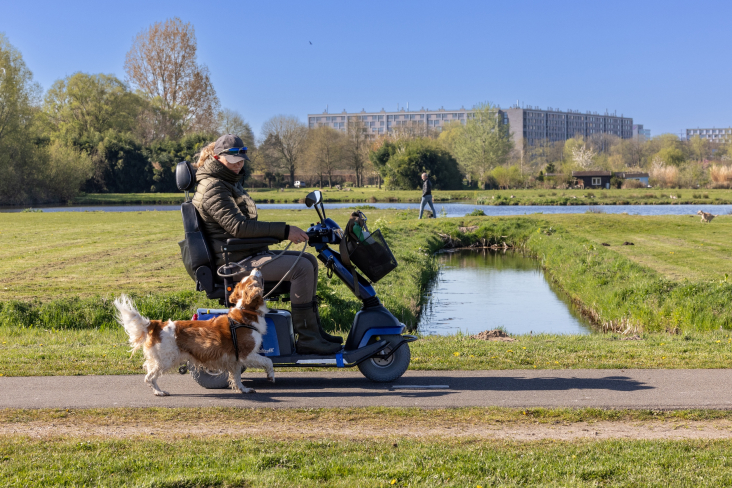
(705, 217)
(203, 343)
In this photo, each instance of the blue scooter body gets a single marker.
(374, 329)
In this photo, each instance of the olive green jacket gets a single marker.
(228, 211)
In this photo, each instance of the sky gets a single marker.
(666, 64)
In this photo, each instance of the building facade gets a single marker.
(380, 123)
(531, 125)
(592, 179)
(640, 133)
(714, 135)
(527, 124)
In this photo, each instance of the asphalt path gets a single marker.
(635, 389)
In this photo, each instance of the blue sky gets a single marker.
(666, 64)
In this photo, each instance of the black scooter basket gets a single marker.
(373, 257)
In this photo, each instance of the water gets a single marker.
(483, 290)
(452, 209)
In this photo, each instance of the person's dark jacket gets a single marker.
(228, 211)
(426, 187)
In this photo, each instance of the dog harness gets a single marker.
(233, 325)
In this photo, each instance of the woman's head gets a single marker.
(228, 150)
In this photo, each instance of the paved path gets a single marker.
(662, 389)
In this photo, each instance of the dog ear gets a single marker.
(238, 292)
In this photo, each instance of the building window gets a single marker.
(596, 181)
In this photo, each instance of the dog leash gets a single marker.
(240, 265)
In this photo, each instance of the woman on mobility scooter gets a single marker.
(227, 211)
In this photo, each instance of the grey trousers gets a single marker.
(427, 199)
(303, 278)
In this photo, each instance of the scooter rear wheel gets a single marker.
(211, 380)
(386, 370)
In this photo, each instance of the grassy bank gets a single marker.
(649, 196)
(227, 460)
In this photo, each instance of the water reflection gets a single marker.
(482, 290)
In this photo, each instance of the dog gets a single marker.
(203, 343)
(705, 217)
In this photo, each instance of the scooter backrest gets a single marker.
(200, 254)
(185, 176)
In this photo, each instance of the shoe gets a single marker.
(305, 325)
(328, 337)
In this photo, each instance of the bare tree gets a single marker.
(162, 64)
(357, 149)
(287, 138)
(231, 122)
(325, 152)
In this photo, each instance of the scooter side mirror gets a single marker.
(313, 198)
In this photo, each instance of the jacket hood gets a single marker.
(214, 169)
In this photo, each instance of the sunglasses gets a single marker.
(235, 151)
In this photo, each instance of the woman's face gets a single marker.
(235, 167)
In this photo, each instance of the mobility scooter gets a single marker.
(376, 344)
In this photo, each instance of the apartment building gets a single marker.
(530, 124)
(714, 135)
(378, 123)
(640, 133)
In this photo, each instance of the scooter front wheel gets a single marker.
(386, 370)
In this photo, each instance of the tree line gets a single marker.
(97, 133)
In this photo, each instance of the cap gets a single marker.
(227, 141)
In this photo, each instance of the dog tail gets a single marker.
(135, 324)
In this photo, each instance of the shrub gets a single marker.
(633, 184)
(476, 213)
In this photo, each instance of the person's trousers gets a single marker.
(427, 199)
(303, 278)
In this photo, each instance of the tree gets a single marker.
(82, 107)
(401, 164)
(231, 122)
(325, 152)
(18, 95)
(357, 148)
(286, 137)
(484, 142)
(583, 156)
(162, 64)
(700, 147)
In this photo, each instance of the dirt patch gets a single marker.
(493, 335)
(652, 430)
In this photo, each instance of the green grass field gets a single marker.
(643, 196)
(234, 461)
(62, 270)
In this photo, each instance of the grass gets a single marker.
(649, 196)
(228, 460)
(62, 269)
(39, 352)
(373, 417)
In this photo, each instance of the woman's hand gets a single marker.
(297, 235)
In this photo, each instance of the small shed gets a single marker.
(642, 177)
(592, 179)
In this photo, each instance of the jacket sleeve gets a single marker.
(220, 205)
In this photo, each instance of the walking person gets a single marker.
(426, 196)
